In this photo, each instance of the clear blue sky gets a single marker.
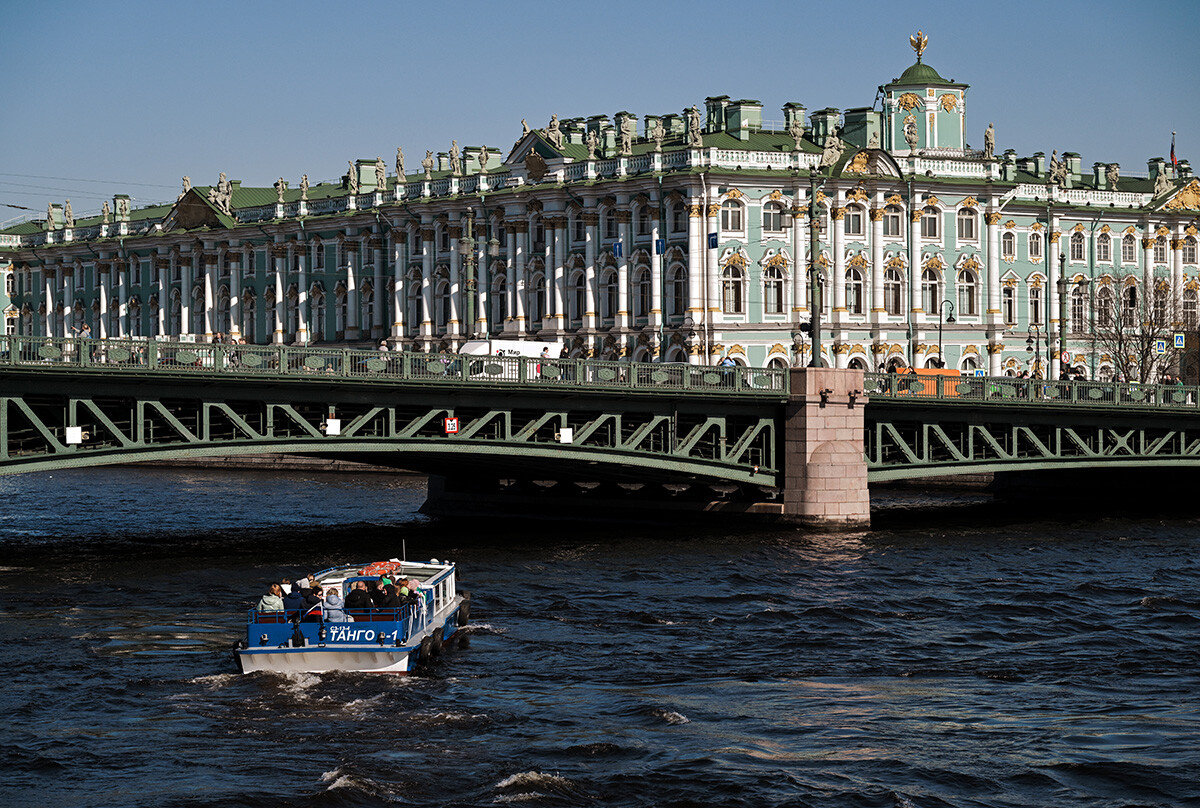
(127, 97)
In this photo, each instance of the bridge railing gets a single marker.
(1010, 391)
(315, 362)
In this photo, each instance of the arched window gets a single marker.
(967, 225)
(853, 220)
(1129, 249)
(732, 282)
(1129, 306)
(176, 306)
(968, 293)
(893, 291)
(1035, 305)
(931, 223)
(610, 224)
(536, 308)
(1162, 295)
(223, 310)
(249, 315)
(643, 221)
(135, 316)
(731, 215)
(929, 291)
(316, 325)
(608, 295)
(1079, 319)
(773, 290)
(854, 291)
(1008, 304)
(366, 303)
(1104, 248)
(772, 217)
(1035, 246)
(968, 365)
(677, 291)
(641, 296)
(1189, 250)
(1190, 300)
(678, 218)
(293, 312)
(1104, 307)
(1008, 245)
(442, 304)
(1160, 250)
(1077, 242)
(499, 300)
(577, 297)
(578, 230)
(339, 311)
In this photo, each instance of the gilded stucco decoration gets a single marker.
(1188, 198)
(734, 193)
(897, 348)
(857, 349)
(736, 259)
(896, 262)
(737, 349)
(841, 348)
(1129, 281)
(1129, 231)
(1037, 227)
(1105, 280)
(908, 101)
(858, 194)
(821, 197)
(932, 200)
(776, 349)
(1035, 282)
(971, 263)
(1009, 283)
(949, 102)
(1191, 230)
(1105, 229)
(879, 349)
(775, 195)
(858, 165)
(970, 350)
(1162, 231)
(997, 347)
(1010, 224)
(1079, 278)
(894, 199)
(1077, 228)
(970, 202)
(859, 262)
(778, 260)
(1192, 285)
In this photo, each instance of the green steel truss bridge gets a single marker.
(75, 403)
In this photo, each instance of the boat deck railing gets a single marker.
(411, 618)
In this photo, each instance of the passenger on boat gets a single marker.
(333, 607)
(391, 599)
(357, 598)
(272, 601)
(377, 594)
(294, 601)
(314, 605)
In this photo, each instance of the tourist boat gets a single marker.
(369, 641)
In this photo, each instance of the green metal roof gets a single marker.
(923, 74)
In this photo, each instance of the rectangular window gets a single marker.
(1035, 246)
(1103, 249)
(677, 217)
(966, 227)
(891, 224)
(1128, 250)
(854, 222)
(931, 225)
(1035, 306)
(1009, 304)
(578, 230)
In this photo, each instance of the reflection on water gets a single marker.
(1037, 663)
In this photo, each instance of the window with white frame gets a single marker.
(1104, 307)
(578, 230)
(1104, 248)
(643, 221)
(854, 291)
(678, 218)
(968, 221)
(773, 290)
(891, 221)
(677, 291)
(577, 296)
(893, 291)
(1190, 300)
(1035, 305)
(1079, 323)
(968, 293)
(608, 295)
(929, 291)
(931, 223)
(1189, 250)
(1008, 305)
(1008, 245)
(536, 299)
(732, 285)
(641, 289)
(1035, 246)
(1129, 249)
(1129, 306)
(610, 224)
(731, 215)
(1160, 250)
(854, 221)
(1077, 246)
(772, 217)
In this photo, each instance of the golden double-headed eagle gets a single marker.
(918, 43)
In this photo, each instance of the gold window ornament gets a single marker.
(949, 102)
(908, 101)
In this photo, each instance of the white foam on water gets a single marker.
(484, 628)
(534, 779)
(522, 797)
(672, 717)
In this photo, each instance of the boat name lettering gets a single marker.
(348, 634)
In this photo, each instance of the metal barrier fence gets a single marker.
(354, 363)
(1030, 392)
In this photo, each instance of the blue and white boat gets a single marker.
(369, 640)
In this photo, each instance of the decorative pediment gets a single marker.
(734, 193)
(1187, 198)
(970, 202)
(894, 199)
(532, 143)
(859, 262)
(872, 161)
(194, 211)
(1037, 227)
(857, 194)
(1105, 229)
(908, 101)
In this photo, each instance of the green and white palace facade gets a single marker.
(684, 237)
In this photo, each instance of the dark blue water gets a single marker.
(971, 664)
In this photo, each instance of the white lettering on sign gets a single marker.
(351, 634)
(451, 425)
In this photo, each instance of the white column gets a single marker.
(877, 309)
(164, 294)
(235, 295)
(482, 277)
(696, 258)
(453, 325)
(302, 294)
(101, 329)
(210, 296)
(624, 232)
(838, 274)
(1147, 289)
(48, 300)
(381, 297)
(914, 275)
(994, 315)
(1177, 276)
(67, 279)
(656, 272)
(712, 275)
(522, 251)
(399, 294)
(1052, 287)
(799, 259)
(427, 280)
(510, 303)
(591, 238)
(352, 302)
(560, 281)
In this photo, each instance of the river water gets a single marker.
(977, 662)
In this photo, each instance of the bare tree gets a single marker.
(1132, 325)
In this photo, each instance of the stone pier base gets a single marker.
(825, 471)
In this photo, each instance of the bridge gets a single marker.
(799, 445)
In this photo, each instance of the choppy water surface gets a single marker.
(1030, 664)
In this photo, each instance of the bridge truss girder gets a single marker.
(906, 443)
(502, 433)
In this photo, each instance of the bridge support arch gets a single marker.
(824, 469)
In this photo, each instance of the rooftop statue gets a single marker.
(280, 186)
(1112, 175)
(49, 215)
(455, 159)
(399, 164)
(833, 149)
(873, 141)
(1162, 183)
(68, 216)
(656, 133)
(123, 207)
(105, 213)
(352, 177)
(910, 131)
(427, 164)
(796, 131)
(693, 127)
(628, 130)
(187, 186)
(304, 188)
(380, 174)
(524, 128)
(483, 157)
(553, 133)
(220, 195)
(592, 143)
(919, 42)
(989, 142)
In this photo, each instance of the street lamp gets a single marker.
(1062, 316)
(1033, 346)
(950, 320)
(816, 279)
(466, 248)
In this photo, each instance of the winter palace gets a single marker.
(697, 236)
